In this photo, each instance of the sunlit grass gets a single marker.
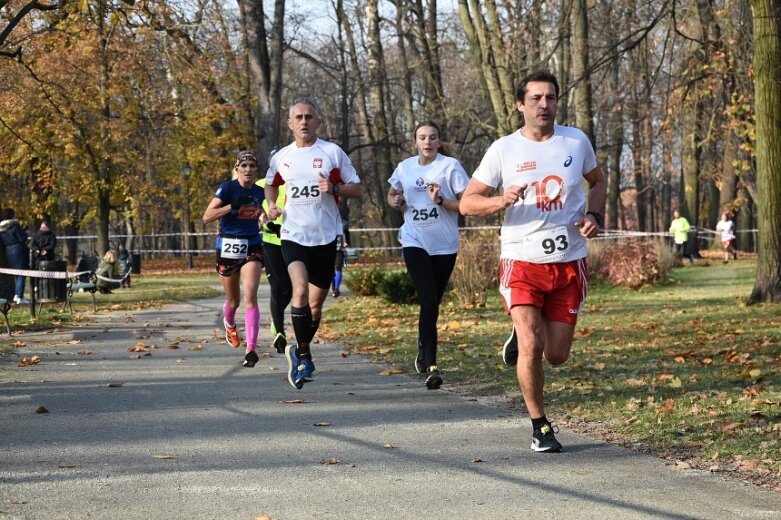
(684, 369)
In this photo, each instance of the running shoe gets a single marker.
(510, 350)
(306, 370)
(544, 440)
(291, 353)
(420, 365)
(336, 293)
(232, 335)
(433, 379)
(280, 342)
(250, 358)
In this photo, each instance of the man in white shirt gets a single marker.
(543, 279)
(315, 173)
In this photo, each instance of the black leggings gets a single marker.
(279, 281)
(430, 274)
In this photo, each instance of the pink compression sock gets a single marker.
(229, 313)
(251, 321)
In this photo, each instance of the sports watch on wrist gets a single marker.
(597, 217)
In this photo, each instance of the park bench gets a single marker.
(7, 287)
(84, 282)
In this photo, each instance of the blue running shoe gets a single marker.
(291, 353)
(306, 370)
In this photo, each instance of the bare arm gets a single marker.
(476, 201)
(215, 210)
(597, 196)
(272, 193)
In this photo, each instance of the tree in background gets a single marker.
(767, 92)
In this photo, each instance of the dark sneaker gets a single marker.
(544, 440)
(291, 353)
(433, 379)
(250, 358)
(510, 350)
(280, 342)
(306, 370)
(420, 366)
(232, 335)
(336, 293)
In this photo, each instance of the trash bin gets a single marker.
(52, 289)
(135, 263)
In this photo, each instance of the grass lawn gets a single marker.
(148, 291)
(683, 369)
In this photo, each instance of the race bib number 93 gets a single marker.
(546, 246)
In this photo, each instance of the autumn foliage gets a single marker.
(630, 263)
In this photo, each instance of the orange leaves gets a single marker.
(25, 361)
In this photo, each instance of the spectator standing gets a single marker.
(44, 243)
(125, 266)
(107, 268)
(14, 239)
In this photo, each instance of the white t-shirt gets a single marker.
(541, 227)
(428, 225)
(727, 228)
(310, 217)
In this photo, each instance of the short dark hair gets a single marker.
(539, 75)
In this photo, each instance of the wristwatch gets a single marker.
(335, 189)
(597, 217)
(440, 201)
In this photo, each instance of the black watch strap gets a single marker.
(597, 217)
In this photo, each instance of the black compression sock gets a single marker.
(302, 324)
(539, 423)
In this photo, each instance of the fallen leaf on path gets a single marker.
(172, 346)
(68, 466)
(182, 361)
(165, 457)
(84, 352)
(19, 344)
(474, 461)
(390, 372)
(41, 409)
(264, 517)
(74, 342)
(294, 401)
(25, 361)
(389, 446)
(138, 347)
(322, 424)
(115, 385)
(332, 460)
(682, 465)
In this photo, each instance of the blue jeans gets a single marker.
(18, 257)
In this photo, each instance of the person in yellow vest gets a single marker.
(680, 227)
(276, 271)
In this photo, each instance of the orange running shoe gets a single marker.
(232, 336)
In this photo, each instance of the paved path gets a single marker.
(189, 433)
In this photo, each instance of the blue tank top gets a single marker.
(234, 224)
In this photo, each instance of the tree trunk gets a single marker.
(103, 186)
(377, 79)
(584, 114)
(767, 78)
